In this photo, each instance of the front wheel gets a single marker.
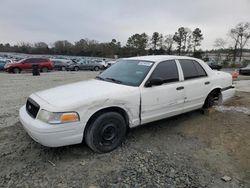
(96, 68)
(45, 69)
(106, 132)
(16, 70)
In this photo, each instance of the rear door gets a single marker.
(165, 100)
(196, 83)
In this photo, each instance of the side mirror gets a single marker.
(154, 82)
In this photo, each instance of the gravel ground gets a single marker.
(190, 150)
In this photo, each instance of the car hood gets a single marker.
(82, 93)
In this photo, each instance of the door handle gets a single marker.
(206, 83)
(180, 88)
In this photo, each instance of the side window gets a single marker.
(166, 70)
(34, 60)
(200, 69)
(41, 60)
(191, 69)
(56, 62)
(28, 61)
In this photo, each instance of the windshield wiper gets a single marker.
(114, 80)
(99, 78)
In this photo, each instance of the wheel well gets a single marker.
(216, 94)
(12, 69)
(109, 109)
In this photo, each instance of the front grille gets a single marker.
(32, 107)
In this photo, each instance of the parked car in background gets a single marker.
(61, 64)
(102, 62)
(245, 70)
(132, 92)
(44, 65)
(2, 64)
(110, 63)
(84, 65)
(214, 65)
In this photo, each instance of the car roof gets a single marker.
(60, 60)
(158, 58)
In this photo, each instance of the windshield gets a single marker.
(127, 72)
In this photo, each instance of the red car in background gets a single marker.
(44, 64)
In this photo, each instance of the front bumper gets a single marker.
(51, 135)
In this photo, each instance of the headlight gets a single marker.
(57, 117)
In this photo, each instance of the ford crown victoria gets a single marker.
(132, 92)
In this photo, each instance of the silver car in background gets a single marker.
(85, 65)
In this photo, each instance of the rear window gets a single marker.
(42, 60)
(191, 69)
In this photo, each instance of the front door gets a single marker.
(162, 101)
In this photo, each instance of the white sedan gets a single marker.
(132, 92)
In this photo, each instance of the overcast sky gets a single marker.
(102, 20)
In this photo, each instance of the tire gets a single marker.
(211, 99)
(106, 132)
(76, 68)
(16, 70)
(45, 69)
(96, 68)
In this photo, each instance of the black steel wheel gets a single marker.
(106, 132)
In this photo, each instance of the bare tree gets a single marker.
(187, 40)
(240, 35)
(220, 43)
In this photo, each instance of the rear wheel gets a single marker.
(16, 70)
(76, 68)
(106, 132)
(212, 99)
(45, 69)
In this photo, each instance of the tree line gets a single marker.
(183, 42)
